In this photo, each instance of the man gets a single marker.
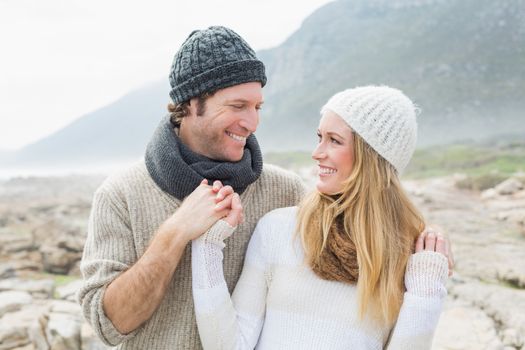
(136, 263)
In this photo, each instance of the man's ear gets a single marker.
(192, 108)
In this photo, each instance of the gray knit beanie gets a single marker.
(212, 59)
(384, 117)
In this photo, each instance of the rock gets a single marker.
(462, 327)
(58, 260)
(75, 269)
(13, 301)
(37, 333)
(13, 242)
(489, 194)
(519, 195)
(90, 340)
(498, 302)
(69, 291)
(27, 347)
(43, 288)
(502, 216)
(509, 186)
(7, 270)
(513, 276)
(32, 261)
(521, 225)
(27, 314)
(66, 307)
(16, 327)
(512, 338)
(63, 331)
(72, 243)
(514, 215)
(12, 337)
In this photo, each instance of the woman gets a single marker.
(337, 272)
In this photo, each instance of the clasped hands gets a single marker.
(204, 207)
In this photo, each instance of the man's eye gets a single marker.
(237, 106)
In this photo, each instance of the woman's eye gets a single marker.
(335, 141)
(237, 106)
(319, 137)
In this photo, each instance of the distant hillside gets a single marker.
(462, 61)
(118, 131)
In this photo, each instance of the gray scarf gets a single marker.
(178, 170)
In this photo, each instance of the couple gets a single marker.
(347, 268)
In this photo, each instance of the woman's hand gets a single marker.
(434, 241)
(229, 201)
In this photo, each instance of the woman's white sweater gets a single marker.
(279, 302)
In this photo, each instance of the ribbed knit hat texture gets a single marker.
(384, 117)
(212, 59)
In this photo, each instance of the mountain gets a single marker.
(461, 61)
(117, 132)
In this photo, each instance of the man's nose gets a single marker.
(250, 120)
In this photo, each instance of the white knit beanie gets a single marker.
(384, 117)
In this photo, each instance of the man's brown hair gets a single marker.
(181, 110)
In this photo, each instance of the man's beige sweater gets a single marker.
(127, 210)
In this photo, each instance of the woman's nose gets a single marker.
(318, 152)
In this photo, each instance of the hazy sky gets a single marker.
(61, 59)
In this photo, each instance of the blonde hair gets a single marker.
(381, 221)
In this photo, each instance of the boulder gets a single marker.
(13, 337)
(37, 334)
(30, 261)
(462, 327)
(69, 291)
(7, 270)
(514, 276)
(63, 331)
(511, 338)
(17, 328)
(57, 260)
(509, 186)
(40, 288)
(13, 301)
(72, 242)
(489, 194)
(90, 340)
(65, 307)
(13, 242)
(498, 302)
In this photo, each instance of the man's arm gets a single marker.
(119, 293)
(132, 298)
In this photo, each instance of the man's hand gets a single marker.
(433, 239)
(197, 213)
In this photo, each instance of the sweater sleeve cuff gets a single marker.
(218, 233)
(104, 327)
(426, 274)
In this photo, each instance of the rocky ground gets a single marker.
(42, 230)
(485, 308)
